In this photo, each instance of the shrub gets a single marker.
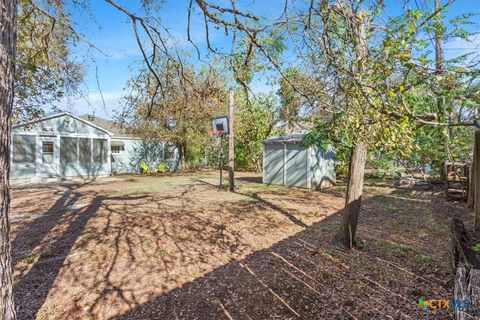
(144, 168)
(161, 167)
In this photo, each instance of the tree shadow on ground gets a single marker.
(134, 257)
(251, 179)
(306, 277)
(48, 254)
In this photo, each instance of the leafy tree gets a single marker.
(45, 70)
(374, 70)
(254, 122)
(181, 113)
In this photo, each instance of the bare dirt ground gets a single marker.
(176, 247)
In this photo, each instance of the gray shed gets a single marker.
(286, 162)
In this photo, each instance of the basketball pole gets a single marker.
(221, 161)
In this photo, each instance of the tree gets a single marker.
(374, 75)
(45, 71)
(7, 70)
(35, 69)
(182, 111)
(255, 120)
(370, 65)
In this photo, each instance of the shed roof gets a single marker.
(291, 138)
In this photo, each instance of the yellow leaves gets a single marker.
(422, 59)
(405, 54)
(391, 93)
(387, 43)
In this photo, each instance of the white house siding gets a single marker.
(137, 150)
(51, 130)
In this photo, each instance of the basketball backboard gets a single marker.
(220, 125)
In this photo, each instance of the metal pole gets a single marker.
(221, 161)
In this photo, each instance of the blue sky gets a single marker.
(111, 33)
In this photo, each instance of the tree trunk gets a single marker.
(438, 40)
(231, 144)
(348, 228)
(182, 155)
(8, 12)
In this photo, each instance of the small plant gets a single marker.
(161, 167)
(426, 260)
(327, 274)
(353, 287)
(144, 168)
(359, 243)
(476, 248)
(391, 208)
(395, 247)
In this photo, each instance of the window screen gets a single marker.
(23, 149)
(116, 149)
(100, 152)
(85, 146)
(68, 150)
(47, 152)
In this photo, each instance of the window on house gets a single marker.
(100, 151)
(23, 149)
(116, 149)
(85, 147)
(47, 152)
(68, 150)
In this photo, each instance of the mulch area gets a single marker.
(192, 251)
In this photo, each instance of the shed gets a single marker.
(286, 162)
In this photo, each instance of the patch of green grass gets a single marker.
(360, 244)
(397, 248)
(357, 262)
(327, 274)
(47, 311)
(35, 257)
(391, 208)
(429, 220)
(161, 253)
(428, 261)
(147, 244)
(353, 287)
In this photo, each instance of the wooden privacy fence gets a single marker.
(474, 187)
(467, 273)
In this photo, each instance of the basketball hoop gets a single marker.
(220, 126)
(217, 132)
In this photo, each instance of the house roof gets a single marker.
(117, 129)
(56, 115)
(291, 138)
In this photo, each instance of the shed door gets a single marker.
(273, 163)
(296, 166)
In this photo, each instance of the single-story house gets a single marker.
(286, 162)
(65, 145)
